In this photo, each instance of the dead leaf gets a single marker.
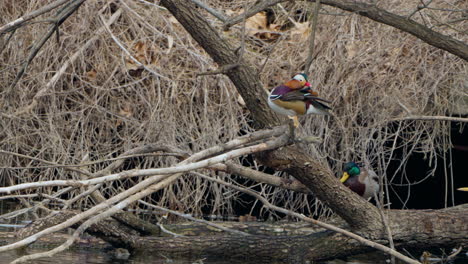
(256, 23)
(143, 53)
(258, 27)
(91, 76)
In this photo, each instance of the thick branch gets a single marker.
(422, 32)
(20, 21)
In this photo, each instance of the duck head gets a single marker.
(299, 81)
(362, 181)
(350, 169)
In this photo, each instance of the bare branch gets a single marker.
(429, 36)
(272, 144)
(258, 176)
(313, 27)
(137, 62)
(419, 8)
(13, 25)
(191, 218)
(210, 10)
(431, 118)
(57, 21)
(66, 64)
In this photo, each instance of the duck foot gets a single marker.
(295, 121)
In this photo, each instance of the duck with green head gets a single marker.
(364, 182)
(295, 97)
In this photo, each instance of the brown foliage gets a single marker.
(104, 105)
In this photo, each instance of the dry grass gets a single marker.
(102, 106)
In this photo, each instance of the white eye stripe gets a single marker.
(299, 77)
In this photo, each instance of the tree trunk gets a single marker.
(410, 229)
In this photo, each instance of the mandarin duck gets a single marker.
(364, 182)
(295, 97)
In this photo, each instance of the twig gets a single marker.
(270, 51)
(61, 16)
(25, 210)
(191, 218)
(83, 194)
(141, 190)
(431, 118)
(122, 47)
(4, 43)
(418, 30)
(419, 8)
(13, 25)
(272, 144)
(310, 56)
(51, 83)
(97, 161)
(454, 254)
(152, 4)
(18, 196)
(258, 176)
(45, 161)
(168, 231)
(210, 10)
(360, 239)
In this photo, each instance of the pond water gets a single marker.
(99, 257)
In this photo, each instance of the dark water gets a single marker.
(99, 257)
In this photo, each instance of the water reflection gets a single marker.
(101, 257)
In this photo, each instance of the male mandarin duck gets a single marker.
(295, 97)
(362, 181)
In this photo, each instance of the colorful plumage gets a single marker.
(364, 182)
(295, 97)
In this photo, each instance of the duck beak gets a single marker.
(464, 189)
(307, 84)
(344, 177)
